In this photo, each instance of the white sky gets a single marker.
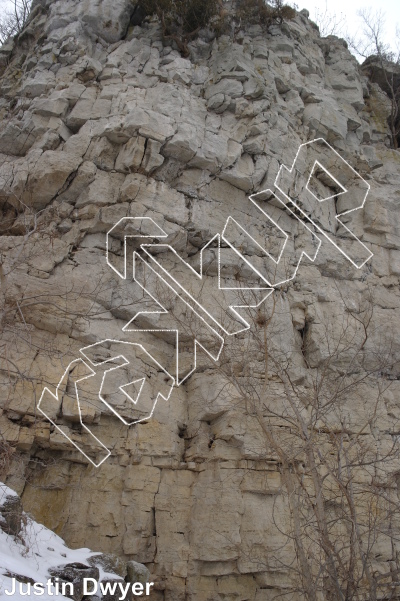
(340, 8)
(348, 10)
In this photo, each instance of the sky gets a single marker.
(344, 12)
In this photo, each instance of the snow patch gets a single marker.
(37, 550)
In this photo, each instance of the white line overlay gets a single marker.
(307, 176)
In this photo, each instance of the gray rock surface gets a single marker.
(110, 563)
(137, 572)
(101, 121)
(11, 514)
(74, 573)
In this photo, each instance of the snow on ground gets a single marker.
(43, 549)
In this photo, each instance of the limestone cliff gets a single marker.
(101, 120)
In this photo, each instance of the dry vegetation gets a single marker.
(182, 20)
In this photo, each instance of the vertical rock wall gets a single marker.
(100, 121)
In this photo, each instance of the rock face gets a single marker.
(101, 121)
(10, 513)
(23, 541)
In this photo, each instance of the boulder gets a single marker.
(10, 512)
(74, 573)
(109, 562)
(48, 176)
(137, 572)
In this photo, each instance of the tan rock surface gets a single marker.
(121, 126)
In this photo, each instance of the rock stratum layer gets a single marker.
(101, 121)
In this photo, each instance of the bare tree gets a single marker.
(338, 475)
(330, 23)
(370, 40)
(382, 62)
(315, 398)
(34, 312)
(14, 19)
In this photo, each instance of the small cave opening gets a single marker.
(303, 334)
